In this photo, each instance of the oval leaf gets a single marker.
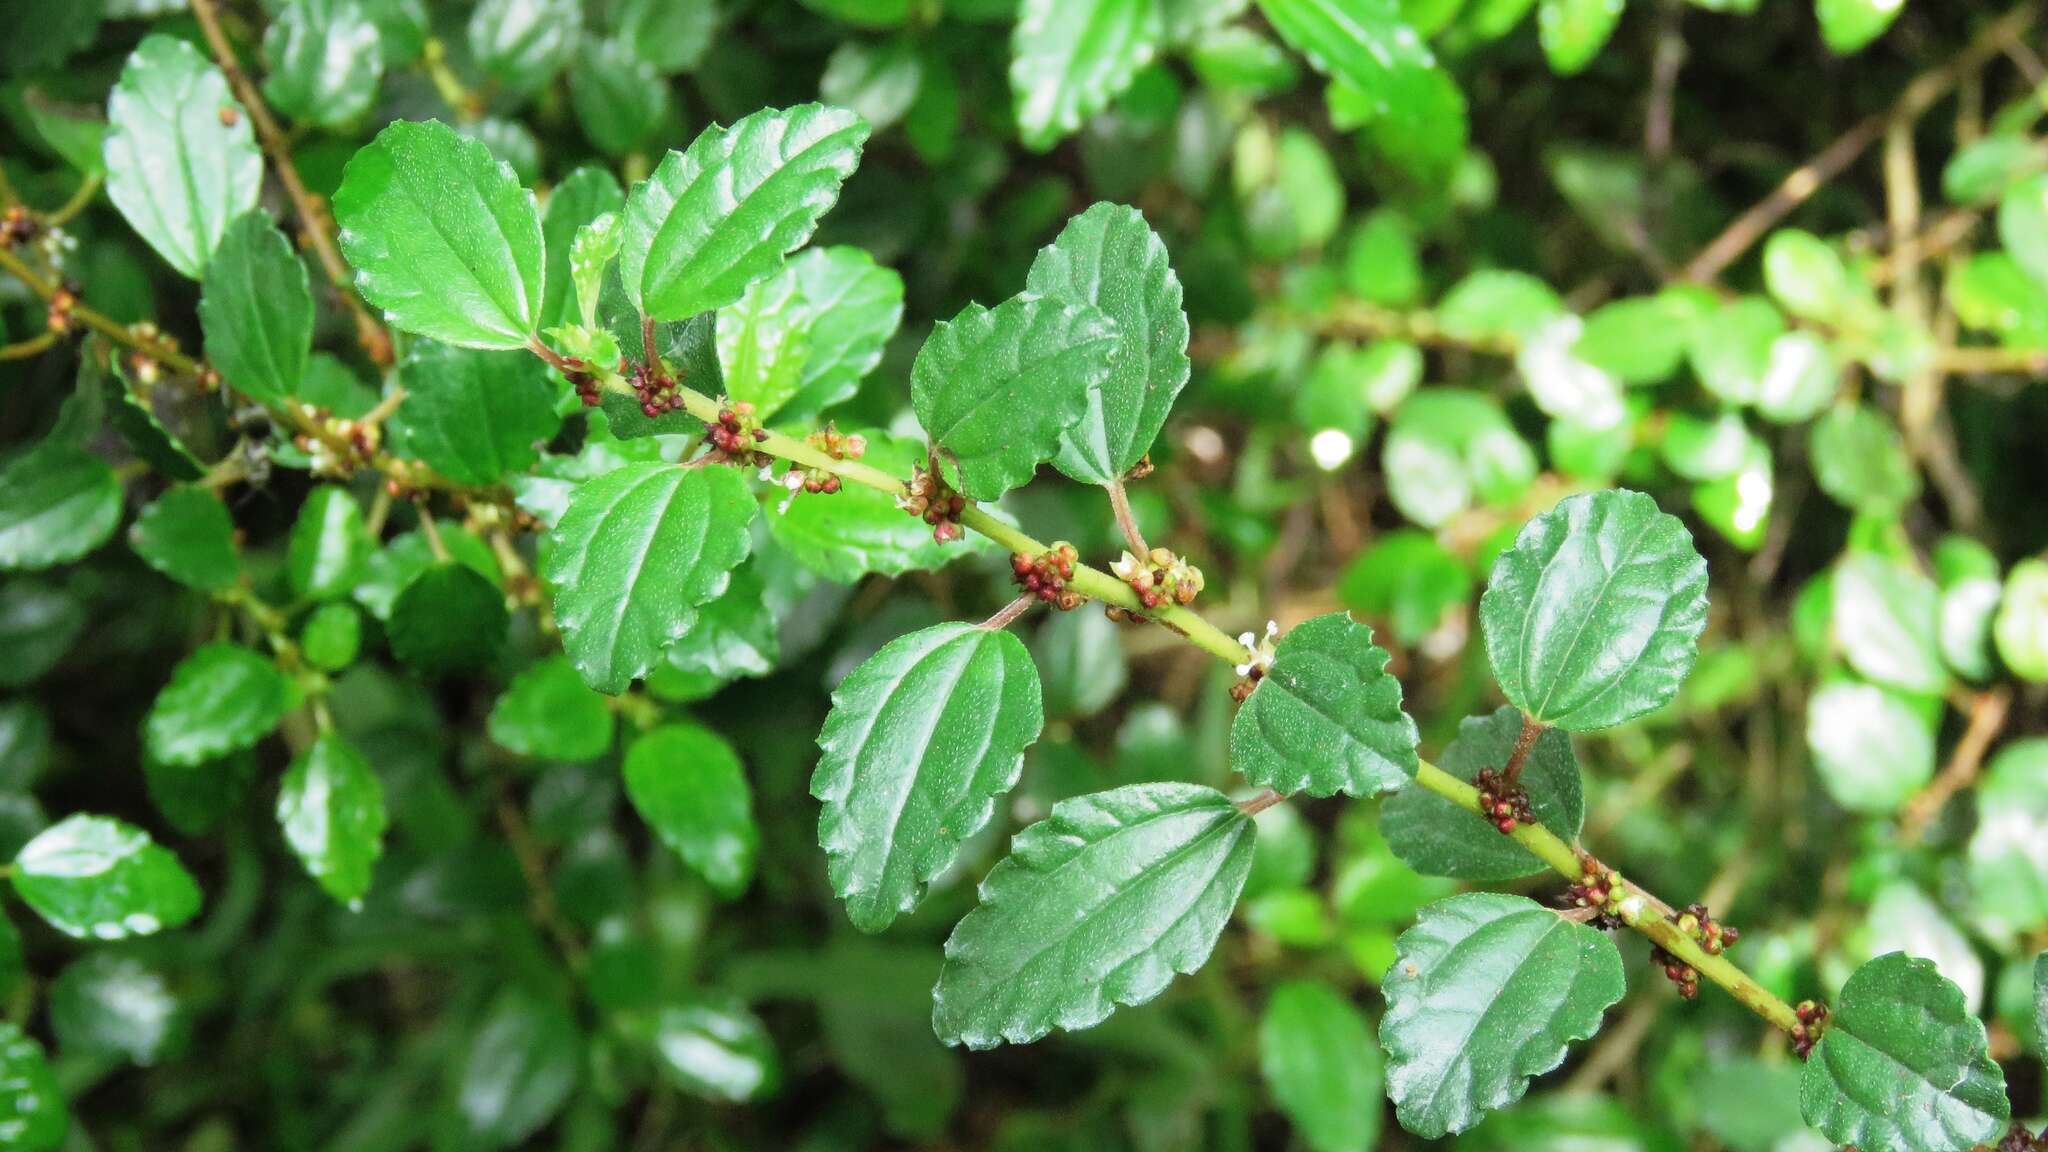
(473, 416)
(1070, 58)
(256, 311)
(549, 713)
(57, 503)
(635, 553)
(1322, 1065)
(222, 698)
(922, 738)
(1097, 906)
(1326, 717)
(1594, 616)
(188, 536)
(1486, 991)
(331, 810)
(97, 878)
(36, 1115)
(690, 788)
(181, 158)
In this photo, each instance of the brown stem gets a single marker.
(26, 349)
(533, 868)
(555, 360)
(1010, 612)
(1531, 729)
(1120, 503)
(648, 357)
(1831, 161)
(1987, 717)
(1259, 803)
(313, 220)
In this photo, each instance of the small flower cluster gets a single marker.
(1504, 805)
(1599, 888)
(62, 301)
(931, 501)
(1813, 1018)
(655, 390)
(338, 446)
(834, 443)
(1678, 972)
(1158, 577)
(1046, 576)
(1714, 937)
(733, 435)
(1254, 669)
(18, 227)
(143, 367)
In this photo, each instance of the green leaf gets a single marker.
(1326, 717)
(621, 101)
(2021, 627)
(637, 551)
(1731, 347)
(114, 1008)
(1846, 26)
(257, 311)
(1097, 906)
(39, 623)
(1109, 259)
(524, 1061)
(1638, 339)
(1448, 446)
(1594, 616)
(732, 636)
(716, 218)
(449, 619)
(1322, 1065)
(77, 135)
(473, 416)
(549, 713)
(582, 196)
(2008, 868)
(1888, 619)
(669, 35)
(850, 307)
(36, 1115)
(97, 878)
(222, 698)
(1805, 275)
(714, 1049)
(1800, 378)
(858, 530)
(329, 544)
(1082, 655)
(389, 570)
(331, 636)
(996, 389)
(2023, 225)
(1070, 58)
(762, 344)
(1991, 293)
(522, 44)
(877, 81)
(1486, 991)
(921, 739)
(690, 788)
(1861, 461)
(1437, 838)
(442, 237)
(181, 160)
(1902, 1065)
(1872, 748)
(326, 59)
(1407, 579)
(1574, 31)
(330, 808)
(188, 536)
(1367, 47)
(57, 503)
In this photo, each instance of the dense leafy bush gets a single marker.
(623, 573)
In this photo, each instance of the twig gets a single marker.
(1260, 803)
(28, 349)
(313, 220)
(1531, 729)
(1830, 162)
(1010, 612)
(533, 868)
(1120, 503)
(1987, 717)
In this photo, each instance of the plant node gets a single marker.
(1159, 576)
(1045, 576)
(1504, 803)
(930, 500)
(1813, 1019)
(1714, 937)
(657, 392)
(1678, 972)
(733, 436)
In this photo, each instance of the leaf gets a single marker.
(1902, 1065)
(1574, 31)
(1872, 748)
(1098, 905)
(762, 344)
(995, 389)
(114, 1008)
(181, 160)
(583, 195)
(1805, 275)
(854, 306)
(57, 503)
(524, 1061)
(689, 786)
(329, 544)
(858, 530)
(1409, 579)
(637, 551)
(2021, 626)
(1322, 1065)
(442, 237)
(197, 799)
(1437, 838)
(331, 811)
(389, 570)
(1448, 446)
(1082, 656)
(1326, 717)
(522, 44)
(39, 624)
(188, 536)
(1593, 617)
(1846, 26)
(671, 36)
(732, 636)
(878, 81)
(257, 311)
(2008, 852)
(97, 878)
(1487, 991)
(1367, 48)
(326, 59)
(36, 1117)
(549, 713)
(448, 620)
(473, 416)
(1109, 259)
(1887, 618)
(621, 101)
(1731, 346)
(222, 698)
(2023, 225)
(716, 218)
(921, 739)
(714, 1049)
(1860, 461)
(1070, 58)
